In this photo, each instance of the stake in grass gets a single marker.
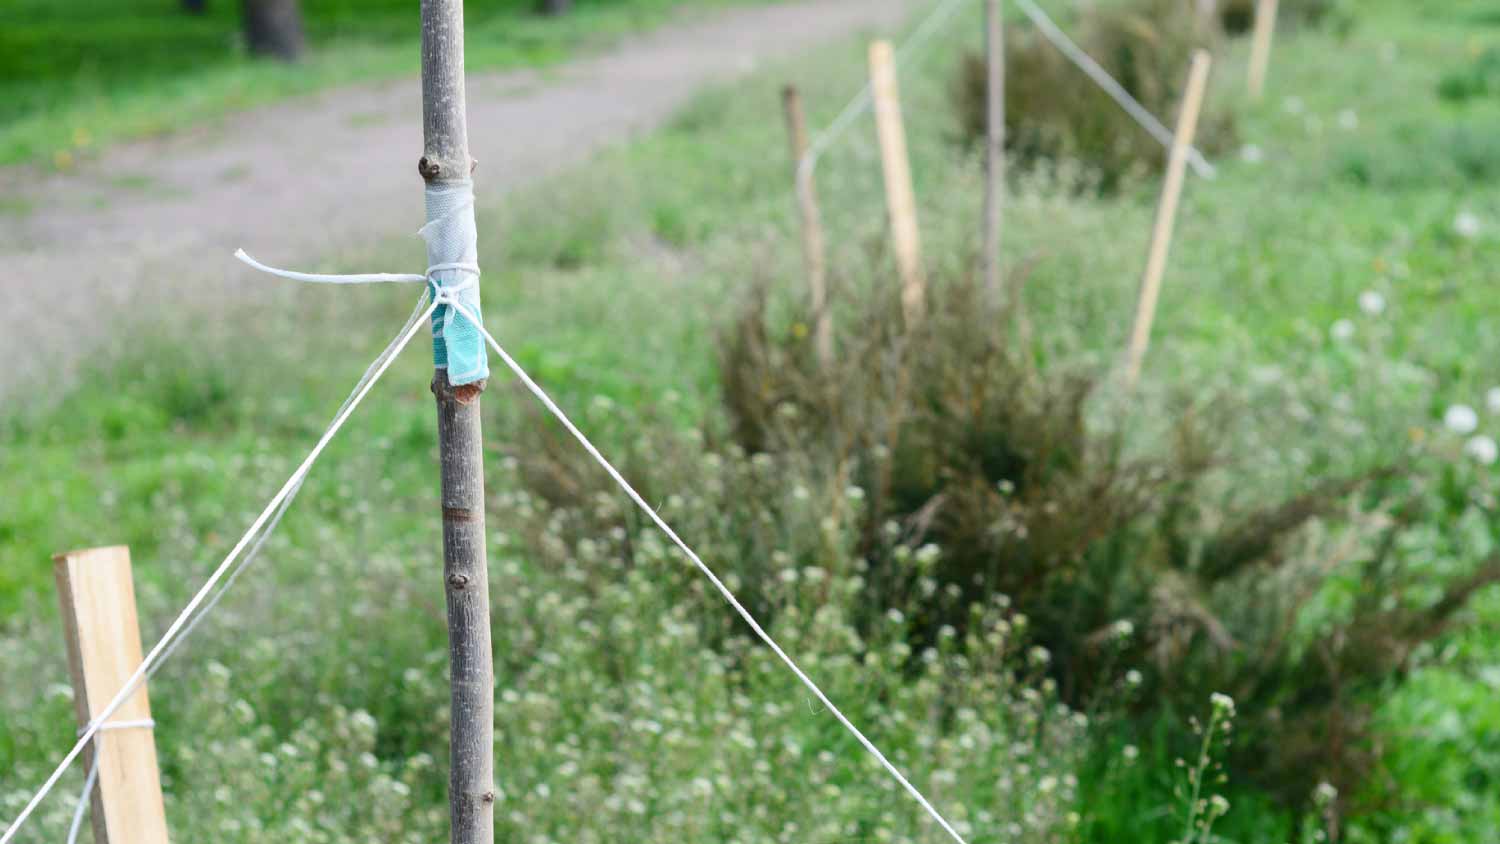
(994, 159)
(1260, 46)
(1166, 215)
(900, 199)
(814, 250)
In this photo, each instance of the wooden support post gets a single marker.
(814, 256)
(994, 159)
(1260, 46)
(97, 596)
(471, 777)
(1166, 215)
(900, 199)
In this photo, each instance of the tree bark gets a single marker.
(445, 158)
(274, 28)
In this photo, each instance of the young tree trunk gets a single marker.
(274, 28)
(445, 158)
(556, 7)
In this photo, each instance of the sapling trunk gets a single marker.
(471, 780)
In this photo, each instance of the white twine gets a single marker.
(1115, 90)
(184, 620)
(862, 101)
(93, 776)
(443, 296)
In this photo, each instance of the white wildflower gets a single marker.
(1133, 678)
(1467, 225)
(1222, 703)
(1252, 154)
(1218, 804)
(1492, 400)
(1342, 330)
(1461, 419)
(1131, 753)
(1372, 303)
(1483, 449)
(1349, 119)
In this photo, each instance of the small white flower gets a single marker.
(1133, 678)
(1325, 794)
(1492, 400)
(1372, 303)
(1252, 154)
(1222, 703)
(1131, 753)
(1039, 656)
(1342, 330)
(1218, 804)
(1483, 449)
(1348, 119)
(1467, 225)
(1124, 629)
(1461, 419)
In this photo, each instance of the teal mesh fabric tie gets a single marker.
(453, 274)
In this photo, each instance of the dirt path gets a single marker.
(153, 224)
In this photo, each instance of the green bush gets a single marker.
(981, 474)
(1238, 16)
(1054, 113)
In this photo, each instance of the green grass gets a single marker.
(609, 284)
(75, 76)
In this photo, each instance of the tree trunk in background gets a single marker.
(557, 7)
(274, 28)
(194, 7)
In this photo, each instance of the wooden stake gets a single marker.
(994, 160)
(814, 257)
(1166, 214)
(471, 778)
(900, 199)
(1260, 46)
(97, 596)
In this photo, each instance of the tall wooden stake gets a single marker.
(899, 197)
(994, 159)
(97, 596)
(471, 779)
(1260, 46)
(1166, 215)
(814, 256)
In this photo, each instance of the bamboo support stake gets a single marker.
(994, 160)
(471, 778)
(1260, 46)
(1166, 214)
(97, 597)
(814, 250)
(900, 199)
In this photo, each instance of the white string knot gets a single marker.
(96, 729)
(452, 280)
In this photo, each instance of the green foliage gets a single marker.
(1477, 79)
(1056, 115)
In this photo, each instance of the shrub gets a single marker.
(1478, 79)
(1055, 113)
(982, 474)
(1238, 16)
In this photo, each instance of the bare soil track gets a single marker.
(152, 225)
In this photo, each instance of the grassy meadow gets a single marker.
(1325, 317)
